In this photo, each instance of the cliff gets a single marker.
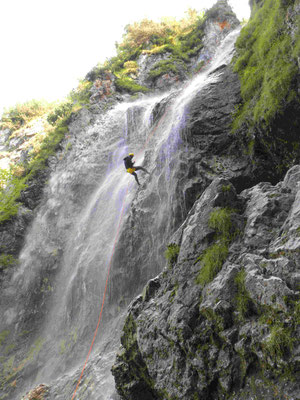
(221, 321)
(210, 239)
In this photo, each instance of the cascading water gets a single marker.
(53, 299)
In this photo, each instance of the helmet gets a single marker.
(131, 154)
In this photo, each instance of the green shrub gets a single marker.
(279, 342)
(266, 65)
(171, 253)
(10, 190)
(60, 112)
(126, 83)
(214, 256)
(226, 188)
(163, 67)
(7, 260)
(242, 299)
(13, 182)
(220, 221)
(81, 95)
(182, 39)
(191, 43)
(16, 117)
(212, 261)
(131, 67)
(48, 148)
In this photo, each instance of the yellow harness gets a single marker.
(130, 170)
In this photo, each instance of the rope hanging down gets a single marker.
(104, 294)
(110, 261)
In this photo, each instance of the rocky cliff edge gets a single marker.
(222, 320)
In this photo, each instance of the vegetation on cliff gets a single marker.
(52, 121)
(214, 256)
(180, 39)
(267, 64)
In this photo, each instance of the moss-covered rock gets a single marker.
(241, 325)
(268, 66)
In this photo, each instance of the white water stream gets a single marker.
(57, 290)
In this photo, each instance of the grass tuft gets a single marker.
(266, 65)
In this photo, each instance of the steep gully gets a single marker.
(50, 305)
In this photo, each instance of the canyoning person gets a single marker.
(131, 168)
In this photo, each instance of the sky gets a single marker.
(48, 45)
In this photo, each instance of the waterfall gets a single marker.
(56, 292)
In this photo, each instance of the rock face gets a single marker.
(200, 147)
(12, 232)
(220, 21)
(222, 319)
(239, 332)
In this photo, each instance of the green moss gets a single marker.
(279, 342)
(48, 148)
(242, 299)
(163, 67)
(191, 43)
(3, 336)
(61, 111)
(7, 260)
(180, 39)
(220, 221)
(171, 253)
(226, 188)
(131, 356)
(212, 261)
(130, 67)
(81, 95)
(218, 325)
(214, 256)
(266, 65)
(10, 190)
(174, 292)
(128, 84)
(11, 184)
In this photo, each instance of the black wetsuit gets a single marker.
(129, 164)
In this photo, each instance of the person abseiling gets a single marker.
(131, 168)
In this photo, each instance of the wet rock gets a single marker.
(195, 233)
(218, 338)
(219, 23)
(203, 119)
(12, 232)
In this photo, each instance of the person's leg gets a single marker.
(136, 178)
(142, 168)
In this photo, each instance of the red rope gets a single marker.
(104, 294)
(111, 257)
(115, 241)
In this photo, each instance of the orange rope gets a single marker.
(115, 241)
(103, 299)
(111, 257)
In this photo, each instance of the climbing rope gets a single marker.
(110, 262)
(117, 235)
(104, 294)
